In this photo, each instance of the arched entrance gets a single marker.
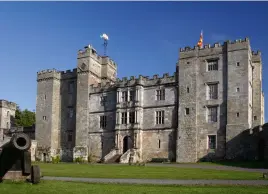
(126, 143)
(261, 147)
(44, 157)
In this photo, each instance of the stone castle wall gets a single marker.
(72, 128)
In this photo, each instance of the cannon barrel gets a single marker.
(15, 158)
(18, 142)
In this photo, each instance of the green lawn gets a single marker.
(49, 187)
(142, 172)
(245, 164)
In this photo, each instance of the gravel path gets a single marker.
(160, 182)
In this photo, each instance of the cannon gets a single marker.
(15, 160)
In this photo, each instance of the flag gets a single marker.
(200, 42)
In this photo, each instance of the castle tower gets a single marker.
(92, 69)
(188, 70)
(258, 102)
(239, 94)
(48, 113)
(215, 100)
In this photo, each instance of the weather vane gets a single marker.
(105, 39)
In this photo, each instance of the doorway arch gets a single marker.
(126, 143)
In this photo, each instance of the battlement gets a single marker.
(69, 71)
(48, 74)
(256, 56)
(146, 78)
(89, 51)
(107, 60)
(215, 45)
(46, 71)
(8, 104)
(258, 53)
(132, 81)
(69, 74)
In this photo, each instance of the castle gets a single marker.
(214, 96)
(7, 115)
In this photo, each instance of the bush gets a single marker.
(55, 160)
(89, 158)
(79, 160)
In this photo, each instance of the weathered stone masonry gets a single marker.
(197, 113)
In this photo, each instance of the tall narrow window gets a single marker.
(212, 114)
(187, 111)
(70, 137)
(160, 117)
(124, 96)
(103, 121)
(159, 143)
(71, 87)
(124, 118)
(160, 94)
(212, 91)
(103, 100)
(132, 95)
(188, 89)
(212, 142)
(132, 117)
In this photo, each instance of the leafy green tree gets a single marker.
(24, 118)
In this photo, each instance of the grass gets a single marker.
(245, 164)
(141, 172)
(48, 187)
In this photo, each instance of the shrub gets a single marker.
(79, 160)
(89, 158)
(55, 160)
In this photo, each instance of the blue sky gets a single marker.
(144, 36)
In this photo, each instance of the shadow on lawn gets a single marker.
(243, 164)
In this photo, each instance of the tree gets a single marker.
(24, 118)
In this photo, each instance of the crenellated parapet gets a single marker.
(90, 51)
(144, 81)
(48, 74)
(109, 61)
(217, 48)
(69, 74)
(8, 104)
(256, 56)
(55, 74)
